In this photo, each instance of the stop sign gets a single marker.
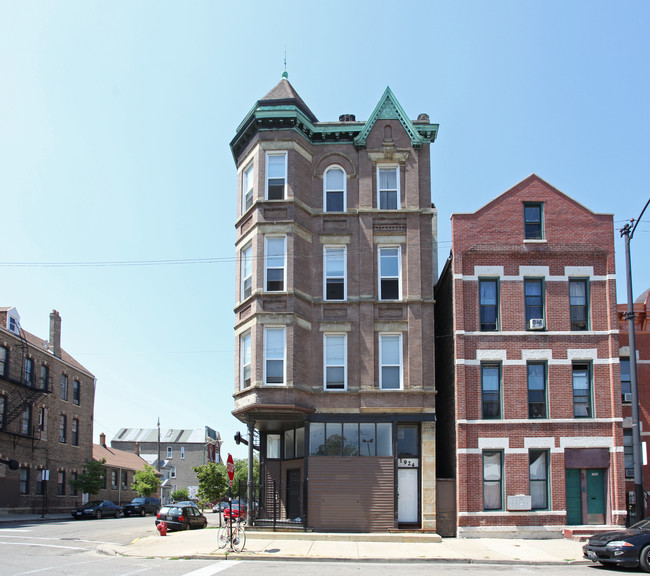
(230, 467)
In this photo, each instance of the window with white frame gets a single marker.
(247, 188)
(276, 175)
(388, 187)
(335, 266)
(274, 354)
(182, 452)
(275, 256)
(335, 355)
(390, 273)
(169, 451)
(334, 183)
(246, 271)
(245, 360)
(390, 361)
(172, 473)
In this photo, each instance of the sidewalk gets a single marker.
(393, 547)
(364, 547)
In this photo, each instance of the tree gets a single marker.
(92, 479)
(146, 482)
(182, 494)
(213, 481)
(241, 475)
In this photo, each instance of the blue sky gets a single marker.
(119, 189)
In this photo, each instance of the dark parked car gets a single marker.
(181, 517)
(97, 509)
(141, 506)
(238, 511)
(629, 548)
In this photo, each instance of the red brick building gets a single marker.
(529, 411)
(46, 418)
(120, 467)
(642, 338)
(334, 313)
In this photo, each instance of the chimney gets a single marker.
(137, 448)
(55, 333)
(347, 118)
(102, 439)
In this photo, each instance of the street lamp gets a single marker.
(639, 511)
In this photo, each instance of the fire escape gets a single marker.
(26, 390)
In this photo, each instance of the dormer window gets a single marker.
(13, 321)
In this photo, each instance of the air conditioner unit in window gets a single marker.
(629, 472)
(627, 397)
(536, 324)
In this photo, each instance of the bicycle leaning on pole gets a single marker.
(232, 532)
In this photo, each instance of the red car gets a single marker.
(238, 511)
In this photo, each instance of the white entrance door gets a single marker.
(407, 495)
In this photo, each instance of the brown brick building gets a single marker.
(529, 411)
(46, 418)
(642, 337)
(334, 312)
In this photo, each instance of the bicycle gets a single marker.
(232, 532)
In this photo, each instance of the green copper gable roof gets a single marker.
(388, 108)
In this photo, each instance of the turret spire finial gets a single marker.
(285, 74)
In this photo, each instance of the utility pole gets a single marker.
(628, 232)
(158, 444)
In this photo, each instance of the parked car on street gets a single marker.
(628, 548)
(181, 517)
(97, 509)
(220, 507)
(238, 511)
(141, 506)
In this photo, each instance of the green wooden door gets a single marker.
(573, 500)
(596, 496)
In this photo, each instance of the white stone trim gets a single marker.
(493, 443)
(532, 335)
(587, 442)
(541, 442)
(529, 421)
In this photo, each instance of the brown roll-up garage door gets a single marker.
(351, 494)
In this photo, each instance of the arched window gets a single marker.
(334, 182)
